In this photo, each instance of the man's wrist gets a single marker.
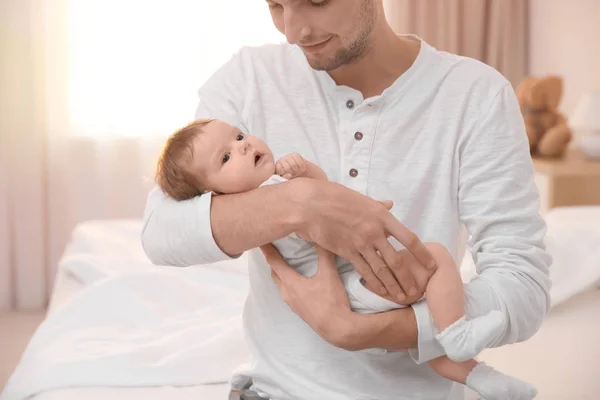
(297, 194)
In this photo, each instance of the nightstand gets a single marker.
(572, 180)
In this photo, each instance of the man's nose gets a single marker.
(296, 26)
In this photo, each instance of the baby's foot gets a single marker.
(494, 385)
(464, 339)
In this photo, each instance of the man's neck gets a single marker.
(387, 59)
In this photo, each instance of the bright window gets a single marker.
(135, 65)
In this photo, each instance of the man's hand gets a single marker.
(291, 166)
(320, 300)
(356, 228)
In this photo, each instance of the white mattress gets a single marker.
(562, 360)
(101, 236)
(203, 392)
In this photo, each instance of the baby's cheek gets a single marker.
(261, 177)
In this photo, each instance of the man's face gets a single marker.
(331, 33)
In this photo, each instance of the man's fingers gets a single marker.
(271, 253)
(275, 277)
(326, 261)
(411, 241)
(385, 275)
(283, 290)
(324, 254)
(387, 204)
(277, 263)
(367, 273)
(399, 267)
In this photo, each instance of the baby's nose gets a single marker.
(245, 146)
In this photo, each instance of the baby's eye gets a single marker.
(240, 136)
(226, 158)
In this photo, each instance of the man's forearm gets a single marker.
(393, 330)
(248, 220)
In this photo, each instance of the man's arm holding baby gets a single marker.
(275, 214)
(209, 228)
(290, 166)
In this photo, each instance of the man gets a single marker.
(388, 118)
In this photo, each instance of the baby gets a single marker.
(212, 156)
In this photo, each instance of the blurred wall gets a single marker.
(565, 40)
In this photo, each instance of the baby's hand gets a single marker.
(291, 166)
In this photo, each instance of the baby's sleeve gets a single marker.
(273, 180)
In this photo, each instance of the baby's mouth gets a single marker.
(257, 158)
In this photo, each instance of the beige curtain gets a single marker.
(50, 180)
(493, 31)
(22, 157)
(71, 148)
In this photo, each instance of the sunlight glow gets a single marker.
(135, 65)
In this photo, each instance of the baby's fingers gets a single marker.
(298, 163)
(285, 164)
(279, 169)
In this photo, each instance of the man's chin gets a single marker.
(321, 64)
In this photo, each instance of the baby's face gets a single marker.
(230, 161)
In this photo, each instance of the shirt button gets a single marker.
(358, 136)
(353, 172)
(350, 104)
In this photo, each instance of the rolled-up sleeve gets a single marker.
(179, 233)
(499, 205)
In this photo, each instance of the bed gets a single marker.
(67, 286)
(111, 240)
(574, 315)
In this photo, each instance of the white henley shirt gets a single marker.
(446, 142)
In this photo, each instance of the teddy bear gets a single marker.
(547, 129)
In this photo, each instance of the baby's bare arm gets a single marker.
(293, 165)
(314, 171)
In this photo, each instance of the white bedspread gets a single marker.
(138, 325)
